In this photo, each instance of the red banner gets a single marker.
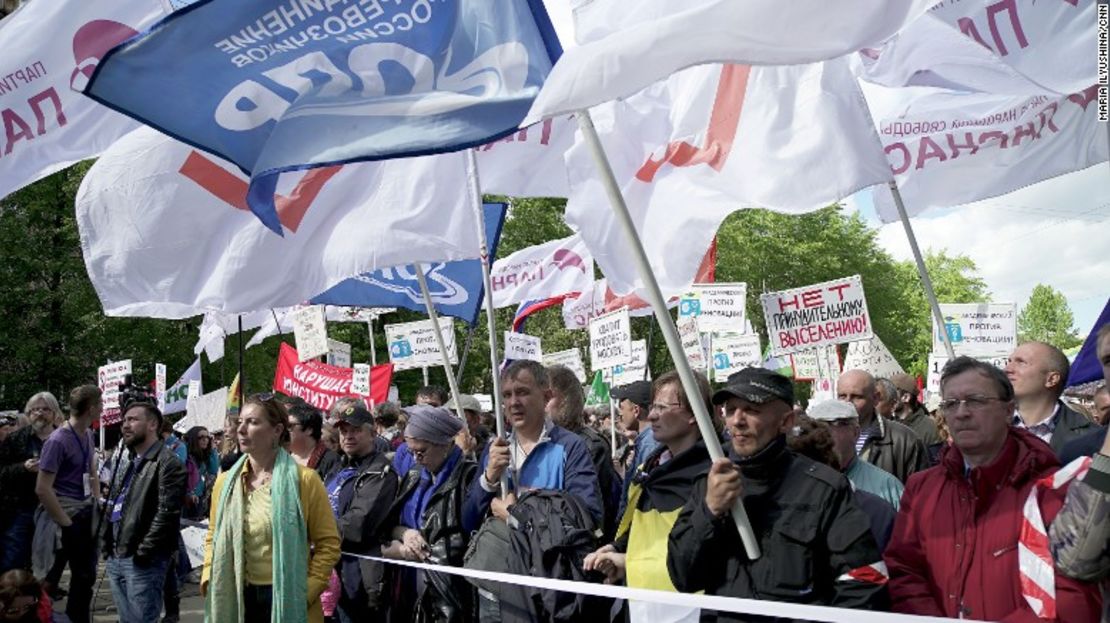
(320, 385)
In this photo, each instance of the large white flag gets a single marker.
(714, 139)
(992, 46)
(949, 148)
(627, 47)
(528, 163)
(165, 230)
(542, 271)
(48, 51)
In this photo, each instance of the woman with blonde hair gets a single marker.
(272, 538)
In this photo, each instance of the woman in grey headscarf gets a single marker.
(427, 519)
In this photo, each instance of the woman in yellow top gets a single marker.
(660, 488)
(266, 508)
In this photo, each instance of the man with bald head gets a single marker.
(1039, 373)
(882, 442)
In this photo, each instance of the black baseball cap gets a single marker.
(356, 415)
(639, 392)
(758, 385)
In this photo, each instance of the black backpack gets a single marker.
(554, 534)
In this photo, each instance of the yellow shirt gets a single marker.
(323, 538)
(258, 538)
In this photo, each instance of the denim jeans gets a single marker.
(16, 533)
(137, 588)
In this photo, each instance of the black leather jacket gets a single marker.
(810, 533)
(151, 519)
(445, 597)
(897, 450)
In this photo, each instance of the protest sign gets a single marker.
(360, 379)
(732, 352)
(160, 385)
(636, 369)
(816, 363)
(194, 536)
(339, 353)
(310, 331)
(109, 378)
(571, 358)
(610, 340)
(719, 307)
(872, 356)
(413, 344)
(826, 313)
(211, 409)
(319, 384)
(522, 346)
(937, 361)
(691, 340)
(822, 389)
(977, 328)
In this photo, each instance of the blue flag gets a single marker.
(1086, 367)
(456, 287)
(279, 86)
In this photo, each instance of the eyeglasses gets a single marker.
(974, 404)
(421, 453)
(659, 408)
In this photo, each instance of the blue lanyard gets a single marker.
(86, 449)
(117, 505)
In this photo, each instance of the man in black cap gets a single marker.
(634, 402)
(816, 545)
(361, 490)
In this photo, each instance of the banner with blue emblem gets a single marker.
(456, 287)
(298, 84)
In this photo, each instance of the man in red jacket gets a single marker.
(954, 552)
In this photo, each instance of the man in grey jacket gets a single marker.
(1039, 373)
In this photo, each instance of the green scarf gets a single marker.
(290, 547)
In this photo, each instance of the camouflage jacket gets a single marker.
(1080, 533)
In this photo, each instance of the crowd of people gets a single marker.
(987, 502)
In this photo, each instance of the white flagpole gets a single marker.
(612, 428)
(440, 342)
(663, 316)
(921, 270)
(491, 318)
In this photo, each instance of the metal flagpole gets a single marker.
(373, 354)
(439, 341)
(465, 352)
(921, 270)
(242, 379)
(491, 318)
(663, 316)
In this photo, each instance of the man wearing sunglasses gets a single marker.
(955, 549)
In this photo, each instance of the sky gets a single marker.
(1056, 232)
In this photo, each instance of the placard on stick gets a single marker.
(522, 346)
(872, 356)
(977, 328)
(413, 344)
(571, 358)
(732, 352)
(692, 346)
(826, 313)
(610, 340)
(719, 307)
(637, 370)
(310, 332)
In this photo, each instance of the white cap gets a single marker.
(832, 410)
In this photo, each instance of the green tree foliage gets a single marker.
(55, 333)
(954, 281)
(1046, 317)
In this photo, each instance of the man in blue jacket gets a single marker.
(537, 455)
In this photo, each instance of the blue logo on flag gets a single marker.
(456, 287)
(276, 86)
